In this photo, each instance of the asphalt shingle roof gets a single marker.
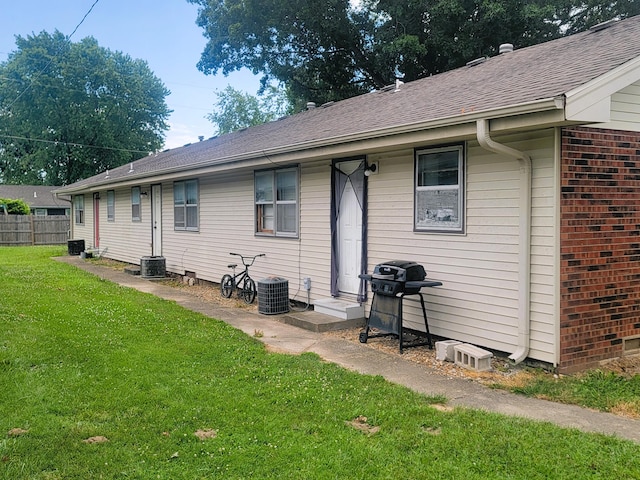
(543, 71)
(34, 195)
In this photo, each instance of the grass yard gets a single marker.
(604, 390)
(100, 381)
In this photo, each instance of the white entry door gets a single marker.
(156, 220)
(349, 240)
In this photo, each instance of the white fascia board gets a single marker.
(591, 102)
(442, 129)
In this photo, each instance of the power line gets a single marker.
(72, 144)
(37, 75)
(83, 19)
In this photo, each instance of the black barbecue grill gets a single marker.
(390, 283)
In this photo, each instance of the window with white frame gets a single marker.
(78, 209)
(111, 205)
(439, 189)
(136, 215)
(276, 199)
(185, 205)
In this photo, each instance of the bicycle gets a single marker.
(229, 283)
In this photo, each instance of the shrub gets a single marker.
(15, 206)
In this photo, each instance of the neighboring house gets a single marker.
(41, 199)
(514, 180)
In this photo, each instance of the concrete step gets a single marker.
(318, 322)
(132, 270)
(339, 308)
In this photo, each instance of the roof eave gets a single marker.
(517, 111)
(591, 102)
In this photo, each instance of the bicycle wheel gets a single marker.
(248, 292)
(226, 286)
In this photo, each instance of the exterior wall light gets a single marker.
(371, 169)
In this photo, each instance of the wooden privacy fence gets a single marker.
(34, 230)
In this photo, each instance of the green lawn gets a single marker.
(82, 358)
(602, 390)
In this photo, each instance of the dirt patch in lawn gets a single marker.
(503, 371)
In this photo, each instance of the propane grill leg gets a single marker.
(426, 323)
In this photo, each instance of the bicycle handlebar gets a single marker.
(252, 257)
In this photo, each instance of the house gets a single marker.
(514, 180)
(40, 198)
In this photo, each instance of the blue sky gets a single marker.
(162, 32)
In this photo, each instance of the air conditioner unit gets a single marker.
(273, 296)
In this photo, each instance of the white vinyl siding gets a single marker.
(123, 239)
(478, 302)
(227, 225)
(625, 109)
(83, 231)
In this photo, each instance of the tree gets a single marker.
(579, 16)
(333, 49)
(71, 110)
(235, 109)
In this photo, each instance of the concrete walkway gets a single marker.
(420, 378)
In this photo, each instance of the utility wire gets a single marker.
(72, 144)
(83, 19)
(37, 75)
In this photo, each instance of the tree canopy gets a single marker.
(235, 109)
(72, 110)
(333, 49)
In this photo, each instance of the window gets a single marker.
(439, 184)
(185, 205)
(111, 206)
(276, 196)
(78, 209)
(135, 204)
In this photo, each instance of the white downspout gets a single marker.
(524, 254)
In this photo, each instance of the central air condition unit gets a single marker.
(153, 267)
(75, 247)
(273, 296)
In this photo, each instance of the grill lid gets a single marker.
(399, 271)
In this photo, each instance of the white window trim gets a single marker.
(441, 227)
(275, 202)
(139, 204)
(183, 184)
(78, 209)
(111, 208)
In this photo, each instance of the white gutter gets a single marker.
(524, 252)
(536, 106)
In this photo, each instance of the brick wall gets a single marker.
(599, 245)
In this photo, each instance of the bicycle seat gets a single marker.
(232, 265)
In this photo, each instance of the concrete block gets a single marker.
(472, 357)
(444, 350)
